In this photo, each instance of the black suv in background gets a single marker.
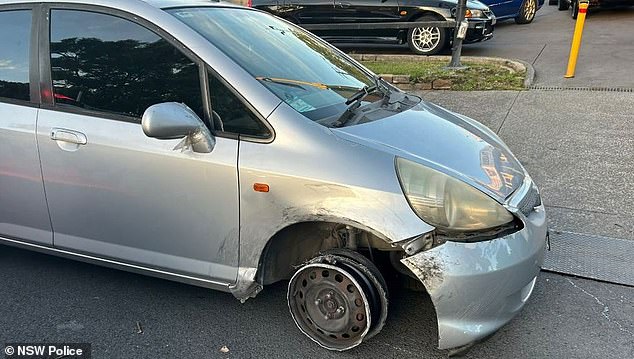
(421, 40)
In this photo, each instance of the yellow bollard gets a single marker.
(576, 38)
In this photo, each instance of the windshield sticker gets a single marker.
(300, 105)
(183, 14)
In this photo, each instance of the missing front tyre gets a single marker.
(338, 301)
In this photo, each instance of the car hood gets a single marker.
(451, 143)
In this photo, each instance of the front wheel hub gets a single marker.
(330, 305)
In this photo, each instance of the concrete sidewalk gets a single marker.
(578, 147)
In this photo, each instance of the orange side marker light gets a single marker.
(261, 187)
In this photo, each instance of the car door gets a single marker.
(308, 11)
(112, 191)
(23, 212)
(503, 7)
(373, 11)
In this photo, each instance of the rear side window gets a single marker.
(15, 39)
(109, 64)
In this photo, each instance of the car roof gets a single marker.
(162, 4)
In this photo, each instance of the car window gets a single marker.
(106, 63)
(230, 114)
(307, 74)
(15, 27)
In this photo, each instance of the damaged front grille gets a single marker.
(531, 200)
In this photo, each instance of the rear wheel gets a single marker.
(527, 12)
(427, 40)
(563, 5)
(338, 300)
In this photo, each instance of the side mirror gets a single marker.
(171, 120)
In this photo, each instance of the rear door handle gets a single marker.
(70, 136)
(344, 5)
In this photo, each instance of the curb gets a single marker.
(517, 65)
(530, 73)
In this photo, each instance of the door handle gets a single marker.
(70, 136)
(344, 5)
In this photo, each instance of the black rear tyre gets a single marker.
(574, 9)
(562, 5)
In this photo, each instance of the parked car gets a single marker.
(522, 11)
(227, 148)
(421, 40)
(573, 5)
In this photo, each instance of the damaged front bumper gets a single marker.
(482, 30)
(478, 287)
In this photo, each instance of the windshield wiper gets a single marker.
(380, 84)
(361, 94)
(354, 101)
(293, 83)
(367, 90)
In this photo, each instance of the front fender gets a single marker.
(315, 176)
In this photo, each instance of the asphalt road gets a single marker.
(51, 299)
(605, 58)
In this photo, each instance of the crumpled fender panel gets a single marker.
(314, 175)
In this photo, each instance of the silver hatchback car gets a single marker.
(223, 147)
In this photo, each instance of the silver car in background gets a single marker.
(223, 147)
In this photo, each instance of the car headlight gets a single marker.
(447, 203)
(474, 14)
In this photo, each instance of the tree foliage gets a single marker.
(125, 76)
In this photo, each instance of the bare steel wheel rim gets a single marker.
(530, 9)
(330, 306)
(425, 39)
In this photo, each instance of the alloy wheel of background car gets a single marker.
(527, 12)
(426, 40)
(337, 301)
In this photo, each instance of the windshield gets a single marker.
(306, 74)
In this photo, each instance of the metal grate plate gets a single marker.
(592, 89)
(584, 255)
